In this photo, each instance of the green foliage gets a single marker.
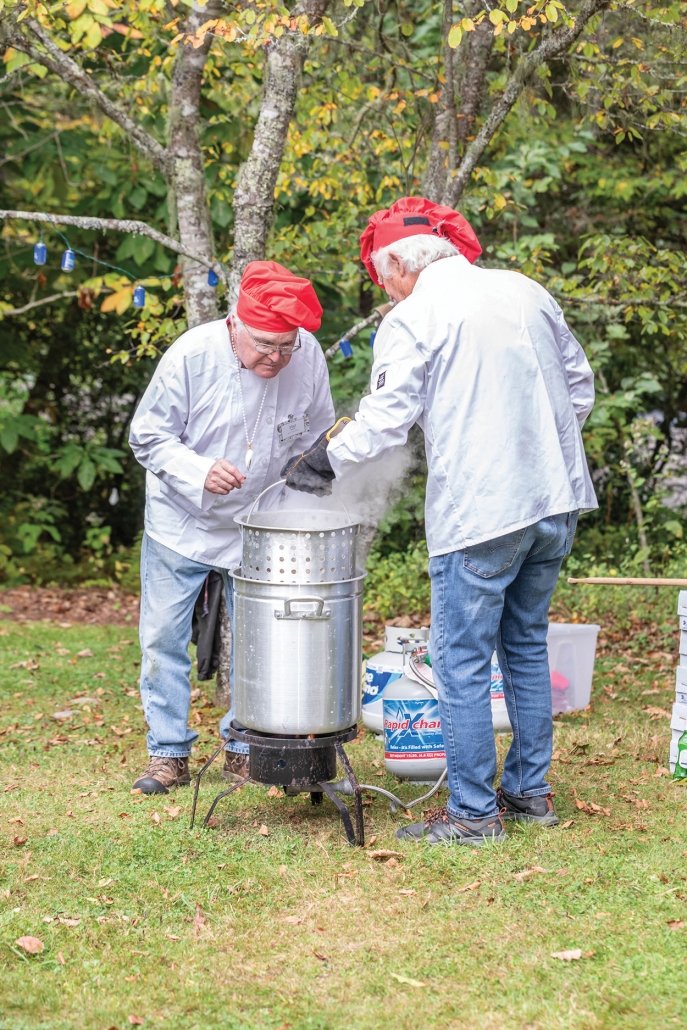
(398, 583)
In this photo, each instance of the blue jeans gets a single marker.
(170, 584)
(496, 594)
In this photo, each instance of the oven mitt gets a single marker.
(311, 471)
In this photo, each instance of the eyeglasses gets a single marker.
(269, 348)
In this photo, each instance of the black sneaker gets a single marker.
(441, 828)
(527, 810)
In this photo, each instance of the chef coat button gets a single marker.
(270, 420)
(235, 421)
(264, 461)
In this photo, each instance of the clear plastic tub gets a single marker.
(572, 650)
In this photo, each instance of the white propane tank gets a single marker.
(383, 669)
(499, 712)
(413, 742)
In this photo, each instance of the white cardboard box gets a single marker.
(681, 677)
(683, 622)
(678, 722)
(681, 697)
(682, 603)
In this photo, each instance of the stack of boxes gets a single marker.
(678, 723)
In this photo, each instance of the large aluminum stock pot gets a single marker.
(297, 655)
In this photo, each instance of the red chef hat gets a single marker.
(413, 216)
(275, 300)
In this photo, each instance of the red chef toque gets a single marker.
(275, 300)
(414, 216)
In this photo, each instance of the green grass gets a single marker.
(229, 928)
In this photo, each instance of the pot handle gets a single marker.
(320, 612)
(279, 482)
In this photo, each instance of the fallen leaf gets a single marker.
(212, 821)
(282, 870)
(371, 841)
(469, 887)
(98, 675)
(526, 873)
(199, 919)
(391, 862)
(17, 819)
(19, 841)
(567, 824)
(426, 901)
(320, 956)
(136, 790)
(263, 830)
(561, 872)
(124, 815)
(274, 792)
(295, 920)
(661, 772)
(173, 811)
(407, 980)
(60, 958)
(33, 945)
(68, 922)
(172, 937)
(135, 1020)
(383, 853)
(9, 787)
(86, 653)
(568, 956)
(673, 924)
(156, 818)
(407, 892)
(27, 879)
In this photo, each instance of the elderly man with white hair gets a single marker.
(483, 360)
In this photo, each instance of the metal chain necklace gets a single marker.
(249, 441)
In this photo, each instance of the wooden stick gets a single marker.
(618, 581)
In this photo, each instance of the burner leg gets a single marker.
(316, 797)
(197, 788)
(358, 794)
(345, 817)
(219, 797)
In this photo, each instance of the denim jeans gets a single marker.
(170, 584)
(496, 594)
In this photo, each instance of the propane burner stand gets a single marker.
(300, 765)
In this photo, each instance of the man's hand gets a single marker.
(223, 477)
(311, 471)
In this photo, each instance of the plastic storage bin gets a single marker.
(572, 649)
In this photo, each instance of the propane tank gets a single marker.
(383, 669)
(499, 712)
(413, 741)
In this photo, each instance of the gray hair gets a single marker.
(414, 252)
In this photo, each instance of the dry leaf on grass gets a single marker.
(675, 924)
(526, 873)
(295, 920)
(172, 937)
(407, 891)
(384, 853)
(407, 980)
(156, 818)
(263, 830)
(17, 819)
(320, 956)
(172, 810)
(573, 955)
(32, 945)
(68, 922)
(212, 821)
(592, 808)
(135, 1020)
(86, 653)
(469, 887)
(199, 920)
(19, 841)
(274, 792)
(567, 824)
(371, 841)
(661, 772)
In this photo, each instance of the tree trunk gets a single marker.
(254, 195)
(185, 165)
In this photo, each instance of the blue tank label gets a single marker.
(412, 729)
(375, 682)
(496, 680)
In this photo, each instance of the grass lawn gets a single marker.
(145, 922)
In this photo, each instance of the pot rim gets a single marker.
(352, 520)
(235, 574)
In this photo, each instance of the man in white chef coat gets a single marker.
(227, 404)
(483, 360)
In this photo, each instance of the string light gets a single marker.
(139, 296)
(372, 338)
(40, 252)
(346, 348)
(68, 260)
(213, 278)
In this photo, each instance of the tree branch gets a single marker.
(548, 49)
(67, 69)
(119, 225)
(376, 316)
(36, 303)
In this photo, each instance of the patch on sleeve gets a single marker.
(381, 379)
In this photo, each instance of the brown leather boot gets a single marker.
(235, 766)
(163, 773)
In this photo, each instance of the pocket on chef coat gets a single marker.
(493, 556)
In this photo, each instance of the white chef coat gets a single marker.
(191, 415)
(483, 361)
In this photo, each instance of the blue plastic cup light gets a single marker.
(139, 297)
(372, 338)
(213, 278)
(40, 254)
(68, 259)
(346, 348)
